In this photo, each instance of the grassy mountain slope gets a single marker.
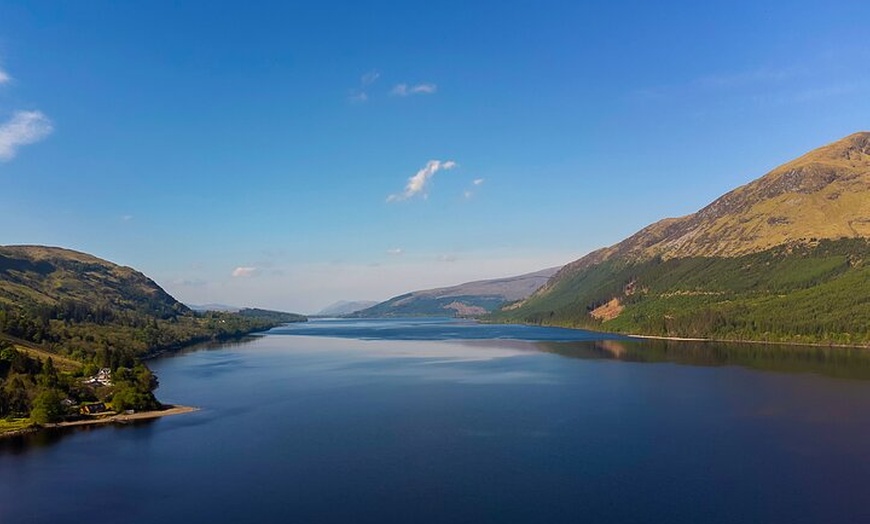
(92, 310)
(45, 275)
(467, 300)
(782, 258)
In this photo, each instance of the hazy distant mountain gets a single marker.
(345, 307)
(784, 257)
(467, 300)
(214, 307)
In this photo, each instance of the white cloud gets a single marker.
(369, 78)
(396, 251)
(417, 183)
(4, 77)
(25, 127)
(242, 271)
(468, 193)
(419, 89)
(359, 94)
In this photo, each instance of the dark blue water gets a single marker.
(409, 421)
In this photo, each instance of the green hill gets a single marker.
(783, 258)
(92, 310)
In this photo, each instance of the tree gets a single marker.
(48, 377)
(47, 406)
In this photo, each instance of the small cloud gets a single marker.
(4, 77)
(244, 271)
(419, 89)
(468, 193)
(396, 251)
(25, 127)
(369, 78)
(446, 258)
(127, 218)
(359, 94)
(417, 183)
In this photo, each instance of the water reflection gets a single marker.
(848, 363)
(27, 442)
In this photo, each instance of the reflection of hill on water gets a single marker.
(850, 363)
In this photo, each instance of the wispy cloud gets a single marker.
(243, 271)
(126, 218)
(369, 78)
(4, 77)
(417, 184)
(360, 94)
(25, 127)
(468, 193)
(396, 251)
(418, 89)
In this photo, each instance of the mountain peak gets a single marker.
(822, 194)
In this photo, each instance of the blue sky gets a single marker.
(291, 154)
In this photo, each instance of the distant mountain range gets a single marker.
(213, 307)
(782, 258)
(472, 299)
(345, 307)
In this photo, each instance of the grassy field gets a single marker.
(14, 424)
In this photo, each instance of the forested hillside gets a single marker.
(93, 314)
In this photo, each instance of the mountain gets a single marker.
(94, 311)
(270, 315)
(345, 307)
(213, 307)
(781, 258)
(467, 300)
(51, 276)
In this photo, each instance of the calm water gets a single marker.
(423, 421)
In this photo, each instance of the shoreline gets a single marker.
(738, 341)
(104, 420)
(638, 336)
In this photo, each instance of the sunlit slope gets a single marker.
(781, 258)
(50, 275)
